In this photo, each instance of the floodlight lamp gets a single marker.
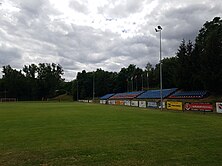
(159, 27)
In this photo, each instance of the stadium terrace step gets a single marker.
(127, 95)
(155, 94)
(189, 94)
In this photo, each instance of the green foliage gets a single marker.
(208, 50)
(184, 66)
(37, 82)
(199, 65)
(170, 72)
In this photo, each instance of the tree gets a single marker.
(49, 78)
(30, 71)
(208, 55)
(185, 66)
(32, 87)
(14, 83)
(170, 72)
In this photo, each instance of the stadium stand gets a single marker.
(155, 94)
(127, 95)
(107, 96)
(189, 94)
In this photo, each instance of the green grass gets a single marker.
(91, 135)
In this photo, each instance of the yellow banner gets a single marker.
(173, 105)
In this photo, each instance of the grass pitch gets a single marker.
(89, 134)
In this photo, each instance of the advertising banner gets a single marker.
(111, 101)
(163, 104)
(84, 101)
(173, 105)
(219, 107)
(119, 102)
(102, 101)
(134, 103)
(151, 104)
(198, 107)
(142, 104)
(127, 102)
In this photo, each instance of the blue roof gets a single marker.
(189, 94)
(155, 94)
(107, 96)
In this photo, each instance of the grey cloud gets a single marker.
(32, 7)
(183, 22)
(9, 56)
(120, 8)
(80, 7)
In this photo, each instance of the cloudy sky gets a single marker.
(90, 34)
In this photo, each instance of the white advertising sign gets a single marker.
(142, 104)
(152, 104)
(85, 101)
(102, 101)
(111, 101)
(163, 104)
(134, 103)
(219, 107)
(127, 102)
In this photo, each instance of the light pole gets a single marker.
(93, 86)
(142, 81)
(147, 79)
(159, 29)
(77, 91)
(132, 82)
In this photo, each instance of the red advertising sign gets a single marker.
(198, 106)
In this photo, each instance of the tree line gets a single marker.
(195, 66)
(33, 82)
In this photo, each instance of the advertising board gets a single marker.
(111, 101)
(142, 104)
(127, 102)
(134, 103)
(119, 102)
(152, 104)
(102, 101)
(198, 107)
(160, 104)
(84, 101)
(173, 105)
(219, 107)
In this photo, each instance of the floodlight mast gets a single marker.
(159, 29)
(93, 86)
(77, 91)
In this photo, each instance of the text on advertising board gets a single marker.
(198, 106)
(173, 105)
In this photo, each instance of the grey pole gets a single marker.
(159, 29)
(77, 92)
(142, 81)
(132, 83)
(161, 75)
(93, 86)
(147, 79)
